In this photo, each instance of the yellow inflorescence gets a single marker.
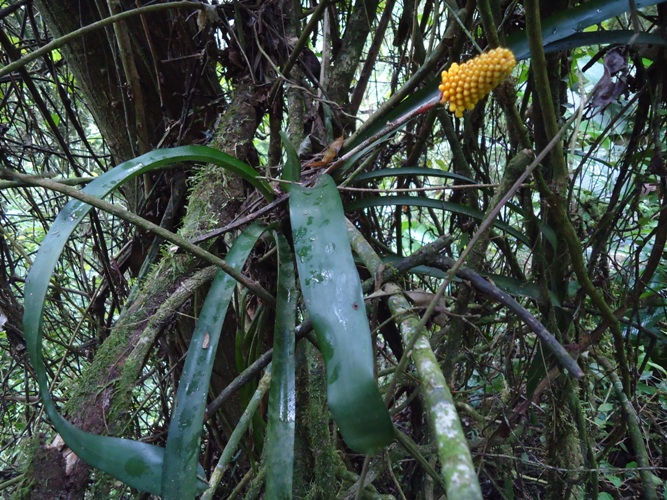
(463, 85)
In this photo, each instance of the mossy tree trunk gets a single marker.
(150, 82)
(180, 105)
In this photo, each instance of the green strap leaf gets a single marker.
(282, 395)
(417, 201)
(137, 464)
(567, 23)
(169, 156)
(160, 158)
(292, 169)
(332, 293)
(622, 37)
(181, 458)
(428, 172)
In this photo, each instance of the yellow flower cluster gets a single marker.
(463, 85)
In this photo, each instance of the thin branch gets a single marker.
(485, 286)
(59, 42)
(146, 225)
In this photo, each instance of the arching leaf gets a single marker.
(135, 463)
(332, 293)
(182, 450)
(416, 201)
(292, 168)
(282, 393)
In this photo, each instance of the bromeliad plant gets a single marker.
(326, 269)
(322, 251)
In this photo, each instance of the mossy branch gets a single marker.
(538, 66)
(634, 431)
(457, 468)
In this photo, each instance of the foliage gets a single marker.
(541, 210)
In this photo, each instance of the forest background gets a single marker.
(209, 310)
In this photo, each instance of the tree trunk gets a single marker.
(177, 85)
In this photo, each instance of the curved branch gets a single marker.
(483, 285)
(132, 218)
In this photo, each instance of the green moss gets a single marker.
(30, 449)
(324, 480)
(563, 448)
(212, 191)
(94, 380)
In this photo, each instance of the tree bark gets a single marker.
(346, 58)
(176, 78)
